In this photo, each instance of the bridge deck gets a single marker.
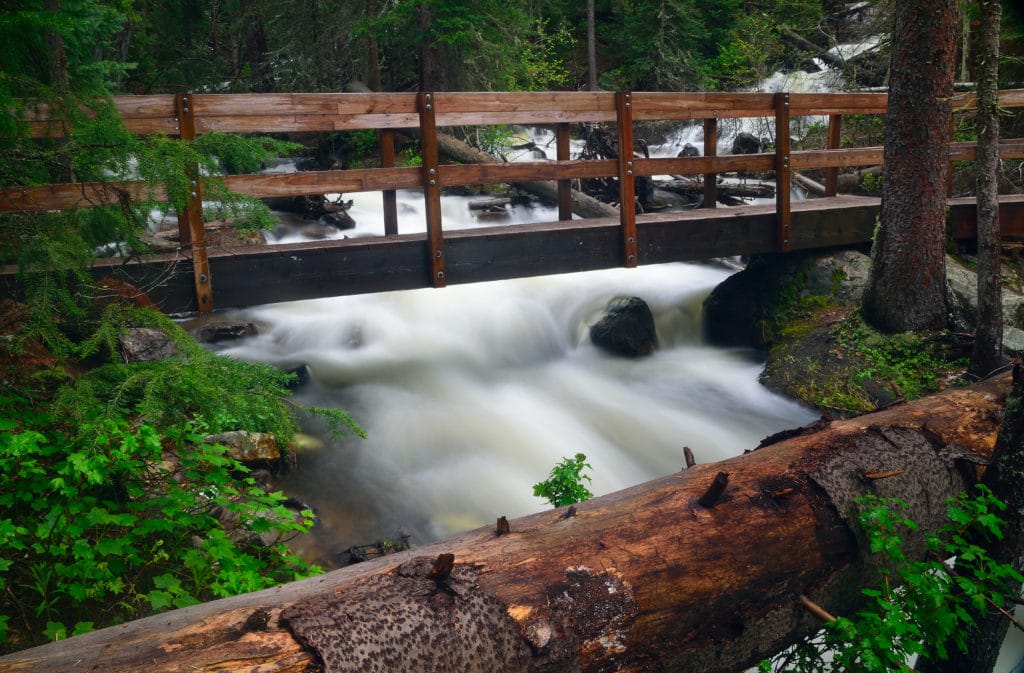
(267, 274)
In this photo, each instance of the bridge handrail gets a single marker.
(188, 115)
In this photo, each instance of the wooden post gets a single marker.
(710, 150)
(387, 160)
(627, 189)
(782, 172)
(565, 185)
(431, 188)
(835, 127)
(191, 231)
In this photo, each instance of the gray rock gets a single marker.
(144, 344)
(627, 328)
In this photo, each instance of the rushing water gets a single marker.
(470, 394)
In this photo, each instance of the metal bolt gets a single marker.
(193, 183)
(203, 278)
(440, 275)
(437, 254)
(194, 195)
(629, 239)
(429, 106)
(433, 171)
(627, 104)
(185, 110)
(629, 163)
(433, 182)
(629, 172)
(427, 96)
(632, 257)
(205, 299)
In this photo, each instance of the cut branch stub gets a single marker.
(715, 491)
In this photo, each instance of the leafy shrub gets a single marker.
(920, 606)
(564, 486)
(106, 519)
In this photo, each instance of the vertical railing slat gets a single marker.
(191, 231)
(390, 196)
(710, 150)
(565, 185)
(835, 128)
(627, 188)
(431, 188)
(784, 240)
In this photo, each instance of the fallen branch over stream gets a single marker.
(642, 579)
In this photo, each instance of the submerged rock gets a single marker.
(627, 328)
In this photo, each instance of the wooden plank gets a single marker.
(74, 195)
(835, 126)
(525, 171)
(564, 184)
(299, 123)
(699, 165)
(837, 103)
(783, 175)
(843, 158)
(321, 182)
(386, 141)
(354, 266)
(710, 150)
(963, 217)
(627, 183)
(191, 228)
(431, 188)
(524, 117)
(656, 105)
(525, 101)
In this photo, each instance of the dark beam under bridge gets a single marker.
(267, 274)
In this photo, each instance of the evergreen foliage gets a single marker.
(920, 605)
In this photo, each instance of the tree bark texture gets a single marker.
(907, 289)
(987, 354)
(591, 46)
(643, 579)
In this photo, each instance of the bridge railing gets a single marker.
(188, 115)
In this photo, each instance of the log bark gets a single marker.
(638, 580)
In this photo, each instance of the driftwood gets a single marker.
(813, 186)
(642, 579)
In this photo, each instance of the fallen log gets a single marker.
(642, 579)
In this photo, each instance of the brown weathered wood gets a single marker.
(752, 163)
(525, 171)
(637, 579)
(782, 172)
(431, 188)
(835, 131)
(710, 150)
(191, 225)
(652, 105)
(627, 183)
(386, 140)
(841, 104)
(564, 184)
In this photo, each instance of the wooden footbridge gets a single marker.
(188, 280)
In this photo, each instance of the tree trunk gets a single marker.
(667, 575)
(907, 286)
(1006, 474)
(426, 50)
(591, 47)
(987, 355)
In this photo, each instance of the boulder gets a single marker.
(213, 332)
(627, 328)
(689, 150)
(144, 344)
(248, 447)
(746, 143)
